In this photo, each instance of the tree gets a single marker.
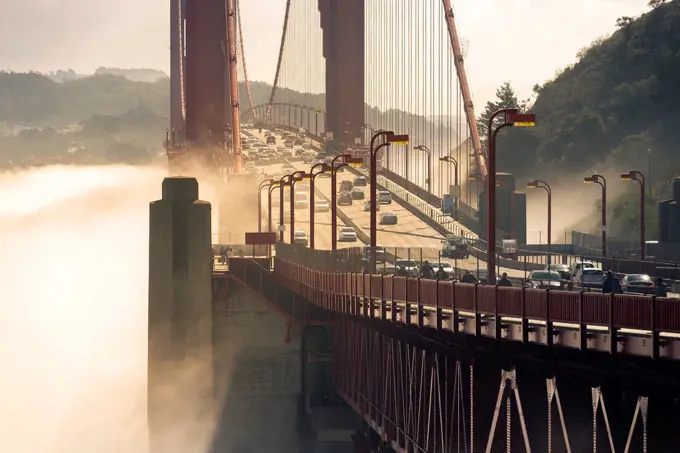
(624, 21)
(655, 3)
(505, 99)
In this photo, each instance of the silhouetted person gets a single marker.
(608, 283)
(401, 272)
(441, 274)
(504, 280)
(426, 270)
(468, 278)
(616, 285)
(660, 288)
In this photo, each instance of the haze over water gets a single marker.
(73, 308)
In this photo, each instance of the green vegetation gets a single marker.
(606, 111)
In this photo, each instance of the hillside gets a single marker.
(618, 101)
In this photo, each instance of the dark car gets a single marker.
(346, 186)
(545, 280)
(345, 199)
(637, 283)
(360, 181)
(388, 218)
(357, 194)
(271, 140)
(297, 142)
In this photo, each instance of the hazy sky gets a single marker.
(45, 35)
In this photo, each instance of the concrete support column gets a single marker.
(180, 360)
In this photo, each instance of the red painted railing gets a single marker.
(343, 292)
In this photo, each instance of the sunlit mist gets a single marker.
(73, 308)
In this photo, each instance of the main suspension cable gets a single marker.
(278, 64)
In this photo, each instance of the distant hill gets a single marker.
(619, 100)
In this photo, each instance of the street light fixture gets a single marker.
(274, 185)
(282, 185)
(452, 160)
(602, 181)
(639, 177)
(263, 184)
(388, 139)
(312, 176)
(538, 184)
(429, 166)
(512, 117)
(295, 177)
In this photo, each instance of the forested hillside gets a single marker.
(621, 99)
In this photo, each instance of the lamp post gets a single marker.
(538, 184)
(602, 181)
(282, 185)
(295, 177)
(429, 166)
(263, 184)
(312, 177)
(511, 118)
(274, 185)
(639, 177)
(452, 160)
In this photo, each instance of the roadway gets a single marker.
(409, 238)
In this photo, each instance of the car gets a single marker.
(306, 146)
(388, 218)
(347, 234)
(637, 283)
(360, 181)
(346, 186)
(357, 194)
(579, 264)
(321, 206)
(297, 142)
(300, 238)
(287, 153)
(384, 197)
(288, 143)
(545, 280)
(345, 199)
(446, 267)
(562, 269)
(301, 200)
(378, 251)
(410, 265)
(267, 133)
(367, 206)
(589, 277)
(271, 140)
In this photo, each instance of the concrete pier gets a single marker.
(180, 407)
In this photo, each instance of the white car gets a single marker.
(384, 197)
(321, 206)
(347, 234)
(300, 238)
(301, 200)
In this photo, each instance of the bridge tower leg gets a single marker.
(343, 48)
(180, 371)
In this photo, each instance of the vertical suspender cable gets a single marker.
(243, 55)
(278, 64)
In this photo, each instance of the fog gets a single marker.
(574, 204)
(73, 308)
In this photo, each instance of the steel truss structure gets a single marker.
(418, 399)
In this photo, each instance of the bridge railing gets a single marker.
(355, 294)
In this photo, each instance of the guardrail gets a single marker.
(442, 305)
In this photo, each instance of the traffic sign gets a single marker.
(357, 140)
(329, 136)
(454, 191)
